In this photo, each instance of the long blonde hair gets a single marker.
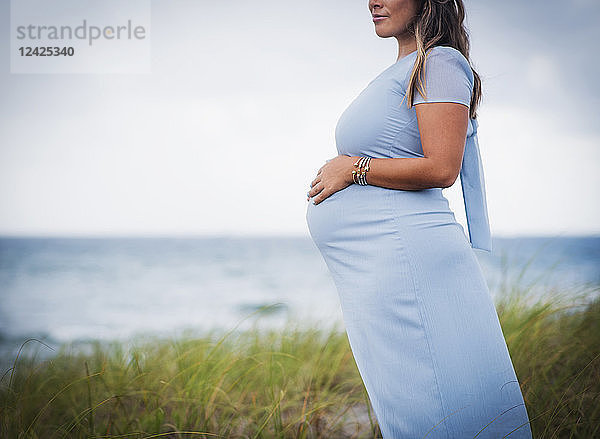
(440, 23)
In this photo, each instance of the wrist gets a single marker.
(361, 168)
(350, 177)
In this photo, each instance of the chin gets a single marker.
(384, 31)
(383, 34)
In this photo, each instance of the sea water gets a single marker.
(66, 289)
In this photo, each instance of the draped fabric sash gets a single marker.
(473, 189)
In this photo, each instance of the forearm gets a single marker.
(408, 173)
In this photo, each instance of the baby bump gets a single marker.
(351, 211)
(372, 212)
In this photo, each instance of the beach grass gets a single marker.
(288, 383)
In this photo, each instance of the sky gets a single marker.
(225, 132)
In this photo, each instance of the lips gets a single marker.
(378, 17)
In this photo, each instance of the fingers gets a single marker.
(316, 180)
(323, 194)
(315, 189)
(319, 192)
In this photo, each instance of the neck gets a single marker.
(406, 45)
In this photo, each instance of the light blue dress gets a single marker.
(417, 310)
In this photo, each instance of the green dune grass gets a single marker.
(292, 383)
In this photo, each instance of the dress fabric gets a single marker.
(418, 313)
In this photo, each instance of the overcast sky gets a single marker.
(239, 111)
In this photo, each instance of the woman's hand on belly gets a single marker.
(333, 176)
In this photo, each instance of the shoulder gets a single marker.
(450, 59)
(446, 53)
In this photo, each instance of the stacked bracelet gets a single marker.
(360, 176)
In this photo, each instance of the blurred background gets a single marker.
(176, 198)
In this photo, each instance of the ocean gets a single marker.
(75, 289)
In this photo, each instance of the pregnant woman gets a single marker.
(418, 313)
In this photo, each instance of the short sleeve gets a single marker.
(447, 77)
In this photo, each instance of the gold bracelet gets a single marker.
(360, 176)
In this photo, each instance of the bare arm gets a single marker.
(443, 130)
